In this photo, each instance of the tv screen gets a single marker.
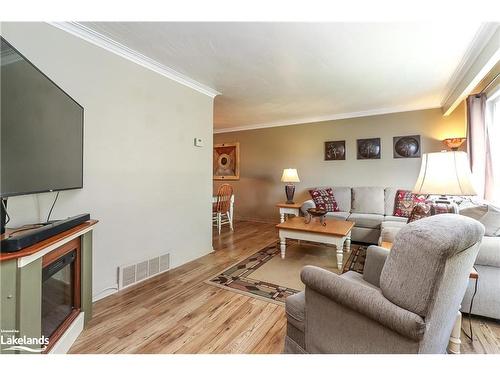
(41, 130)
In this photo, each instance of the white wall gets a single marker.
(144, 180)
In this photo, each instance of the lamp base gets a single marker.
(289, 191)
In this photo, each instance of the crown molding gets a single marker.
(119, 49)
(338, 116)
(478, 43)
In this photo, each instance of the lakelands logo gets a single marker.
(10, 342)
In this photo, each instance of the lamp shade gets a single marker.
(290, 175)
(445, 173)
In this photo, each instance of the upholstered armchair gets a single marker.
(405, 302)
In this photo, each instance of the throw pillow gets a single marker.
(405, 201)
(324, 199)
(491, 222)
(425, 209)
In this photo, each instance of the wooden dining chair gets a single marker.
(223, 207)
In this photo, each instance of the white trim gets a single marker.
(21, 262)
(68, 338)
(338, 116)
(105, 293)
(474, 82)
(119, 49)
(482, 37)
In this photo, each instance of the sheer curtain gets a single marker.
(483, 144)
(492, 185)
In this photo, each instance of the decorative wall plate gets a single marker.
(335, 150)
(407, 146)
(368, 148)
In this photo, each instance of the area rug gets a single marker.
(266, 276)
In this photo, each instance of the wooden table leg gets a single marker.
(282, 217)
(283, 247)
(347, 243)
(455, 342)
(340, 255)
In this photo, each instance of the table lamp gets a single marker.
(445, 173)
(289, 175)
(454, 143)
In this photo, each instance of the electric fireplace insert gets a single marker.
(60, 289)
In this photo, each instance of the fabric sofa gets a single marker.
(368, 207)
(391, 308)
(487, 299)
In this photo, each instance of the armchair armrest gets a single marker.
(366, 301)
(375, 260)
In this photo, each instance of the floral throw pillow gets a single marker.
(324, 199)
(405, 201)
(424, 209)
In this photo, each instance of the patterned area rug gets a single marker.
(266, 276)
(356, 260)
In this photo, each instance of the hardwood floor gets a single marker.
(177, 312)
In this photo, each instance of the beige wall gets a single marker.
(265, 152)
(143, 179)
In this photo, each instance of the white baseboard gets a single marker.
(63, 345)
(105, 293)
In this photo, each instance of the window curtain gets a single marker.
(493, 133)
(478, 146)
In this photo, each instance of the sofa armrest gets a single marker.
(375, 260)
(367, 301)
(306, 205)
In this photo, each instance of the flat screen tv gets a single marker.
(41, 130)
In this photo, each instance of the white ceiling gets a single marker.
(284, 73)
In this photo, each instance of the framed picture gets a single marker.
(407, 146)
(226, 161)
(335, 150)
(368, 148)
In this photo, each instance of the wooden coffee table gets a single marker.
(335, 232)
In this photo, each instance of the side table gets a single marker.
(288, 209)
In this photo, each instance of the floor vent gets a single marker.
(134, 273)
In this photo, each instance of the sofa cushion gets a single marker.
(367, 220)
(404, 202)
(324, 199)
(343, 197)
(368, 200)
(489, 252)
(295, 307)
(339, 215)
(389, 198)
(398, 219)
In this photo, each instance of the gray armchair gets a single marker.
(405, 302)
